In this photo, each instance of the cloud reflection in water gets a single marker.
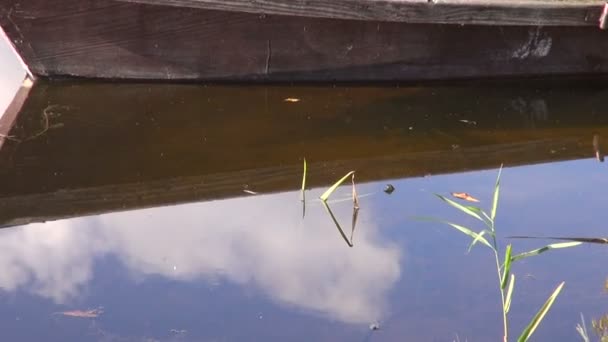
(258, 242)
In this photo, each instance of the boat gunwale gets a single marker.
(460, 12)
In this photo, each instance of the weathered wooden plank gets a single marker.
(110, 39)
(9, 116)
(461, 12)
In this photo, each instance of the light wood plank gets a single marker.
(496, 12)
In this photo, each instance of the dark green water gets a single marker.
(152, 233)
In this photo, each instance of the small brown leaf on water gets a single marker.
(292, 99)
(93, 313)
(464, 196)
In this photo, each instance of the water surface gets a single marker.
(174, 214)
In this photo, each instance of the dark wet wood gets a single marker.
(7, 119)
(113, 147)
(127, 40)
(460, 12)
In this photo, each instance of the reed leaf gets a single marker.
(509, 294)
(476, 240)
(329, 191)
(506, 268)
(544, 249)
(495, 197)
(582, 329)
(303, 205)
(469, 210)
(349, 243)
(355, 197)
(304, 177)
(354, 224)
(529, 330)
(563, 238)
(462, 229)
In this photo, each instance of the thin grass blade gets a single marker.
(460, 228)
(476, 240)
(303, 180)
(582, 329)
(509, 294)
(579, 239)
(544, 249)
(496, 194)
(303, 205)
(469, 210)
(506, 268)
(529, 330)
(354, 224)
(355, 197)
(329, 191)
(337, 224)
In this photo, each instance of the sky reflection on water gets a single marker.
(250, 268)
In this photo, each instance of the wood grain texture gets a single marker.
(119, 40)
(461, 12)
(125, 146)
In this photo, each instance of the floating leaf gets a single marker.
(91, 313)
(464, 196)
(529, 330)
(329, 191)
(544, 249)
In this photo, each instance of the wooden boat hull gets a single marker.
(129, 40)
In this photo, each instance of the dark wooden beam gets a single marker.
(461, 12)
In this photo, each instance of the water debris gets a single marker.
(464, 196)
(249, 192)
(596, 148)
(291, 99)
(389, 188)
(178, 331)
(468, 122)
(91, 313)
(374, 326)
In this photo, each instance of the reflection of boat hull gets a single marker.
(154, 41)
(110, 147)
